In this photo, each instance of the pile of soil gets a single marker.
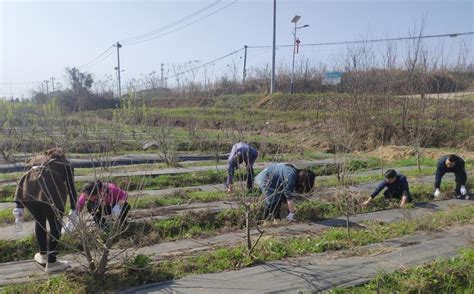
(392, 153)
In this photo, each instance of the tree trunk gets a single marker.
(247, 228)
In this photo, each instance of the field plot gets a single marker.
(188, 231)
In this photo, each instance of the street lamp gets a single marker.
(295, 21)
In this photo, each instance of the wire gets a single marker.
(372, 40)
(262, 47)
(184, 26)
(204, 64)
(19, 83)
(99, 56)
(183, 19)
(98, 61)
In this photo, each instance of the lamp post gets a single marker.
(273, 81)
(295, 21)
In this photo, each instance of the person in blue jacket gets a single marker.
(452, 164)
(396, 187)
(280, 182)
(240, 153)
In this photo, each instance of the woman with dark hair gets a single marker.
(281, 181)
(104, 199)
(43, 190)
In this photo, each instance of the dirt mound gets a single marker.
(391, 153)
(468, 144)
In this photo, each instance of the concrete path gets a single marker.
(321, 272)
(21, 271)
(184, 170)
(456, 95)
(127, 159)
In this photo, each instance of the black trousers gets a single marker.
(460, 181)
(42, 213)
(273, 210)
(99, 211)
(389, 194)
(250, 175)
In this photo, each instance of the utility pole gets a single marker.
(244, 74)
(52, 82)
(162, 78)
(118, 45)
(272, 85)
(47, 89)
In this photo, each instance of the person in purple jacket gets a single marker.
(240, 153)
(104, 199)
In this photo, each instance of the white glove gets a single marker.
(73, 215)
(18, 212)
(116, 210)
(291, 216)
(437, 193)
(463, 190)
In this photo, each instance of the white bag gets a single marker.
(68, 228)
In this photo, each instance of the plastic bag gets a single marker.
(68, 228)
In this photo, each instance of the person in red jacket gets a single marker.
(104, 199)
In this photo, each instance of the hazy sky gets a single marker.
(38, 39)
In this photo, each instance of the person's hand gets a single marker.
(367, 202)
(291, 216)
(230, 188)
(437, 193)
(463, 190)
(18, 212)
(116, 210)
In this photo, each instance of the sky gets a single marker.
(38, 39)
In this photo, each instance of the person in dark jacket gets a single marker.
(43, 190)
(240, 153)
(396, 187)
(452, 164)
(280, 182)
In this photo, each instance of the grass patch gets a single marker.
(354, 179)
(455, 275)
(177, 199)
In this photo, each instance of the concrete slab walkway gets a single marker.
(321, 272)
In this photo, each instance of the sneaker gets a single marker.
(41, 258)
(58, 265)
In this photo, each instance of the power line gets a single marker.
(280, 46)
(182, 27)
(452, 35)
(19, 83)
(204, 64)
(99, 56)
(98, 61)
(183, 19)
